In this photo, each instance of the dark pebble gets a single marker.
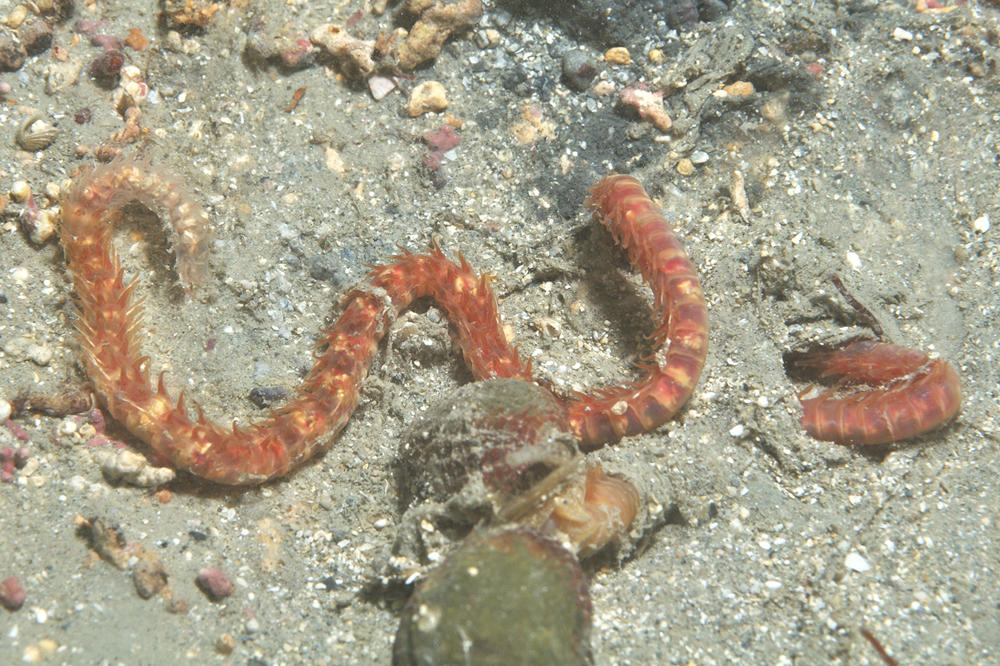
(36, 36)
(107, 68)
(62, 10)
(526, 603)
(12, 54)
(149, 577)
(712, 10)
(329, 268)
(682, 14)
(578, 69)
(265, 396)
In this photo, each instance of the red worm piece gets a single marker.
(908, 393)
(654, 249)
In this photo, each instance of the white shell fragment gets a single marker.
(132, 468)
(36, 134)
(856, 562)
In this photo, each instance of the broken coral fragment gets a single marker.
(438, 21)
(355, 54)
(649, 106)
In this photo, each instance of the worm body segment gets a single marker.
(654, 249)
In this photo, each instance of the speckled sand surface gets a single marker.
(869, 149)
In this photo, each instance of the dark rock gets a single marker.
(578, 69)
(12, 54)
(265, 396)
(36, 36)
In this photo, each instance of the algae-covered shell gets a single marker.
(508, 596)
(507, 434)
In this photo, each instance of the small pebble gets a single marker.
(380, 86)
(43, 227)
(853, 260)
(225, 643)
(856, 562)
(981, 224)
(428, 96)
(106, 68)
(739, 89)
(36, 36)
(265, 396)
(20, 191)
(699, 157)
(214, 583)
(39, 354)
(16, 17)
(149, 576)
(901, 35)
(5, 410)
(685, 167)
(618, 55)
(578, 69)
(11, 593)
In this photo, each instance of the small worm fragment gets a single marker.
(907, 392)
(296, 97)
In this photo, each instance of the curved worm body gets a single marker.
(110, 328)
(637, 224)
(912, 394)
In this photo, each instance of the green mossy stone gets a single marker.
(508, 596)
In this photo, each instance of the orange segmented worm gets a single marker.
(636, 224)
(109, 324)
(910, 395)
